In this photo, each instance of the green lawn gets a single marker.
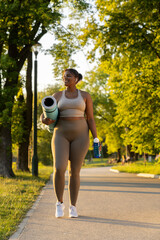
(139, 167)
(96, 162)
(17, 196)
(136, 167)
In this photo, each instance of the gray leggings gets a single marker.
(70, 144)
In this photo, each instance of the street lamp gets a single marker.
(36, 49)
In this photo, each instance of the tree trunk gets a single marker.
(22, 161)
(129, 153)
(6, 152)
(145, 158)
(119, 155)
(136, 156)
(6, 106)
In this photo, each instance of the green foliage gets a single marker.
(18, 126)
(126, 40)
(124, 37)
(22, 24)
(6, 104)
(64, 49)
(121, 26)
(135, 90)
(157, 160)
(44, 147)
(104, 109)
(67, 45)
(80, 5)
(28, 16)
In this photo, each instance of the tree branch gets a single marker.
(23, 55)
(44, 31)
(150, 43)
(25, 51)
(35, 30)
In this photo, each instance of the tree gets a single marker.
(26, 120)
(125, 36)
(96, 83)
(123, 26)
(22, 24)
(23, 150)
(125, 39)
(137, 97)
(18, 122)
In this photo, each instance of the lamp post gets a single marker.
(36, 48)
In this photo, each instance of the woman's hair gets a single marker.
(75, 73)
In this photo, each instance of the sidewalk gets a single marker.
(111, 206)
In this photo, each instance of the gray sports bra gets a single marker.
(74, 107)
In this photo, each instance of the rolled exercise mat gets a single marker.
(50, 110)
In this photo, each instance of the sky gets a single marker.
(45, 75)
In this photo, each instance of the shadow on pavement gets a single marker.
(116, 191)
(101, 182)
(116, 222)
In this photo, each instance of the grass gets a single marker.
(135, 167)
(96, 162)
(139, 167)
(17, 195)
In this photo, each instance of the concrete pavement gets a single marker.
(111, 206)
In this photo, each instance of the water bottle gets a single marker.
(96, 145)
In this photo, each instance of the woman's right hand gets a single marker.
(46, 121)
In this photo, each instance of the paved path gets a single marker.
(111, 206)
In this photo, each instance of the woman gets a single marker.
(70, 138)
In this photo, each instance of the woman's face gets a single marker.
(69, 79)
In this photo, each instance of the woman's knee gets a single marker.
(59, 172)
(74, 173)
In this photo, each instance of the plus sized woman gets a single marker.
(70, 140)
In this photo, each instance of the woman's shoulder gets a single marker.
(57, 95)
(85, 94)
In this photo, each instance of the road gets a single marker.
(111, 206)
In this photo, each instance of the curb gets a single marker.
(114, 170)
(147, 175)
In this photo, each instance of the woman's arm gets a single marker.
(89, 115)
(46, 121)
(49, 121)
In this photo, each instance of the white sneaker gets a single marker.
(59, 210)
(73, 212)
